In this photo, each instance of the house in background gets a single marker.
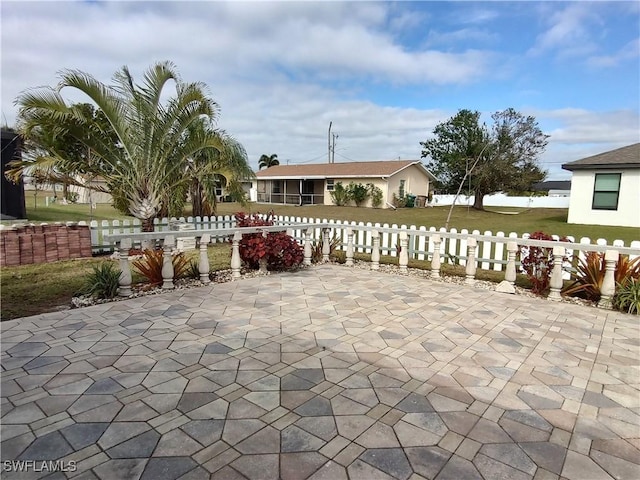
(313, 184)
(605, 188)
(554, 188)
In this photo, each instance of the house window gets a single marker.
(606, 191)
(401, 189)
(330, 184)
(276, 186)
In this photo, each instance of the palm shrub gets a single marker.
(102, 282)
(340, 195)
(150, 265)
(141, 144)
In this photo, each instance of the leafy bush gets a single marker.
(376, 195)
(150, 265)
(340, 195)
(398, 202)
(358, 193)
(102, 282)
(537, 262)
(627, 297)
(280, 250)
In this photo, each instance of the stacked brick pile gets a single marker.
(25, 244)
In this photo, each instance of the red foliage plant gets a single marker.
(537, 262)
(280, 250)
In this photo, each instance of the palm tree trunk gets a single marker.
(147, 225)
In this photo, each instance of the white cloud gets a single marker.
(568, 33)
(629, 51)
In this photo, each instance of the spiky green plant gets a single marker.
(627, 297)
(102, 282)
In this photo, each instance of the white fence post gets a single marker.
(435, 260)
(404, 251)
(349, 255)
(203, 266)
(124, 282)
(556, 274)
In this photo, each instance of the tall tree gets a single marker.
(267, 161)
(503, 157)
(152, 135)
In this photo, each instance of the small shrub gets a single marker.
(280, 250)
(376, 195)
(150, 265)
(627, 297)
(588, 277)
(192, 270)
(340, 195)
(316, 248)
(358, 193)
(591, 272)
(537, 262)
(398, 202)
(102, 282)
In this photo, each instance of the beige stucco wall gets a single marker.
(416, 182)
(628, 212)
(378, 182)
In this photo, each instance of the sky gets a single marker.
(383, 73)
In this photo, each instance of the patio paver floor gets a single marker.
(325, 373)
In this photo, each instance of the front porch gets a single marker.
(291, 192)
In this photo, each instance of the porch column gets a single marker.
(326, 246)
(404, 251)
(510, 272)
(203, 266)
(556, 273)
(435, 260)
(608, 288)
(349, 255)
(235, 255)
(307, 246)
(472, 243)
(375, 252)
(300, 194)
(167, 263)
(124, 282)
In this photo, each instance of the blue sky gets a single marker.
(385, 73)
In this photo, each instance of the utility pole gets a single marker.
(329, 142)
(333, 148)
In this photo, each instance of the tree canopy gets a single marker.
(267, 161)
(141, 141)
(491, 159)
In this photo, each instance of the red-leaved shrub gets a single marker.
(280, 250)
(537, 262)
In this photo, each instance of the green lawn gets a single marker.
(549, 220)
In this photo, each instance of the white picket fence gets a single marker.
(491, 252)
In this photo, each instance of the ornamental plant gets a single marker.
(358, 192)
(340, 195)
(150, 265)
(591, 271)
(102, 282)
(281, 251)
(537, 262)
(627, 297)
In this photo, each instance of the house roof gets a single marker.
(552, 185)
(625, 157)
(340, 170)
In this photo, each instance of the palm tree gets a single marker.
(267, 161)
(144, 167)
